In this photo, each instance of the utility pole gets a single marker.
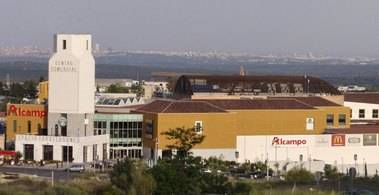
(52, 178)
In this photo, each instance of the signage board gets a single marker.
(354, 140)
(369, 139)
(284, 141)
(322, 140)
(15, 110)
(338, 140)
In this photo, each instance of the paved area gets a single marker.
(46, 172)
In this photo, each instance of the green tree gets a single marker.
(331, 173)
(17, 91)
(132, 177)
(117, 88)
(215, 183)
(137, 89)
(30, 89)
(183, 173)
(183, 140)
(2, 89)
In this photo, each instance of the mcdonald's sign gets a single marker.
(338, 140)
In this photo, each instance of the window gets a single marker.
(105, 151)
(198, 126)
(28, 151)
(29, 127)
(64, 44)
(361, 113)
(85, 154)
(64, 131)
(351, 113)
(329, 120)
(56, 130)
(87, 44)
(67, 153)
(309, 123)
(14, 126)
(375, 113)
(100, 127)
(48, 152)
(342, 120)
(39, 129)
(94, 152)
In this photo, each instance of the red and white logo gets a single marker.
(13, 110)
(281, 141)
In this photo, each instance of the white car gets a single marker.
(77, 168)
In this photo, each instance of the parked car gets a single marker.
(77, 168)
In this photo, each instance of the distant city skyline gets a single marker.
(335, 27)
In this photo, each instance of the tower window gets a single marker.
(64, 44)
(87, 44)
(29, 127)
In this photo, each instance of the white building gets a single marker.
(341, 150)
(364, 106)
(71, 106)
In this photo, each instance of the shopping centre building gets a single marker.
(288, 131)
(221, 121)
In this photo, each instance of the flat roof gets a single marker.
(313, 101)
(368, 97)
(209, 106)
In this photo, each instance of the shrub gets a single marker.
(300, 176)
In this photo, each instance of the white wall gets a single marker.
(59, 141)
(72, 75)
(317, 147)
(355, 106)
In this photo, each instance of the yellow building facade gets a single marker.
(43, 91)
(25, 119)
(222, 128)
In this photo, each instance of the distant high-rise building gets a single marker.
(242, 71)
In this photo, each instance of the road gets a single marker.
(59, 174)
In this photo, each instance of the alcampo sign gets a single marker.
(281, 141)
(17, 111)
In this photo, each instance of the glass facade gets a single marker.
(125, 131)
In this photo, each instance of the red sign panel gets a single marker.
(338, 140)
(19, 111)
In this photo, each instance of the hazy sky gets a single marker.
(330, 27)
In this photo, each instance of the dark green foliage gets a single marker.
(2, 89)
(300, 176)
(30, 88)
(178, 176)
(117, 88)
(331, 173)
(132, 177)
(241, 188)
(184, 140)
(215, 183)
(16, 90)
(137, 89)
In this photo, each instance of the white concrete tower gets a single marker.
(71, 86)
